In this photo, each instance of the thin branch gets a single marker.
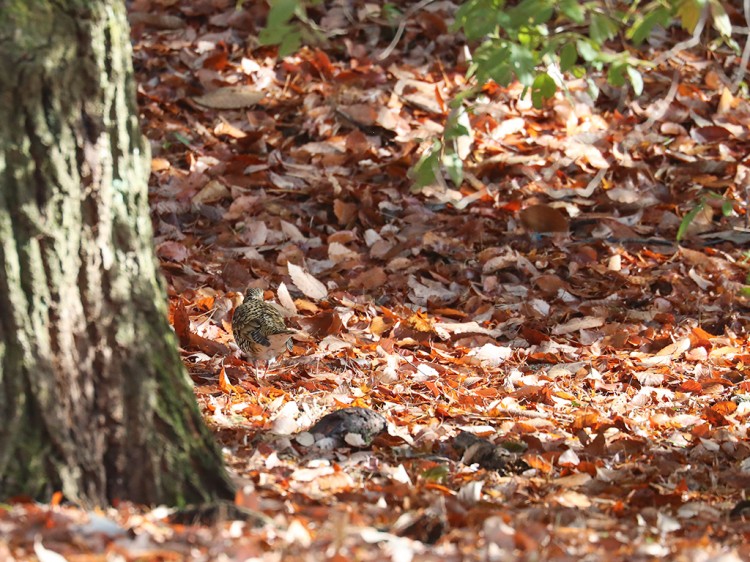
(664, 104)
(688, 43)
(401, 27)
(739, 75)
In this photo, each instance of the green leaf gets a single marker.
(721, 19)
(727, 208)
(688, 219)
(524, 64)
(544, 88)
(690, 13)
(478, 18)
(514, 446)
(464, 94)
(455, 167)
(457, 124)
(745, 291)
(290, 44)
(645, 24)
(601, 28)
(274, 35)
(436, 473)
(636, 80)
(492, 61)
(391, 13)
(573, 10)
(587, 50)
(182, 138)
(530, 13)
(281, 12)
(616, 74)
(502, 73)
(568, 57)
(424, 171)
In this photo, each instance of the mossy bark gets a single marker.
(94, 400)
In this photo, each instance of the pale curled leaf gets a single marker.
(212, 192)
(569, 458)
(585, 323)
(231, 97)
(704, 284)
(491, 354)
(573, 499)
(676, 349)
(445, 329)
(309, 285)
(285, 299)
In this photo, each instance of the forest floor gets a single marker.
(602, 368)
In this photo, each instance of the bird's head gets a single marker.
(254, 293)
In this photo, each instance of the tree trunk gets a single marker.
(94, 400)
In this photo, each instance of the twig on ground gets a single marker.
(688, 43)
(401, 27)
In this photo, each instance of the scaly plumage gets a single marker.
(259, 328)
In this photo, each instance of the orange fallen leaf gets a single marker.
(181, 323)
(714, 417)
(224, 384)
(725, 408)
(538, 462)
(420, 322)
(585, 420)
(691, 386)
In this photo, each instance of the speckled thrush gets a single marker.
(259, 328)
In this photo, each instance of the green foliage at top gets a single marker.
(539, 42)
(288, 26)
(535, 41)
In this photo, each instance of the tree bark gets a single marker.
(94, 400)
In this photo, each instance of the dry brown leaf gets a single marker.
(225, 385)
(323, 324)
(543, 218)
(172, 251)
(370, 279)
(550, 284)
(344, 212)
(676, 349)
